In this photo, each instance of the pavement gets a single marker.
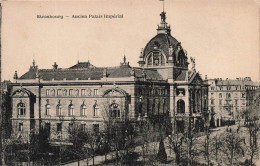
(98, 160)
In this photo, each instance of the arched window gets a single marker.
(115, 111)
(228, 95)
(59, 110)
(71, 110)
(95, 110)
(21, 108)
(156, 59)
(150, 60)
(47, 109)
(83, 110)
(180, 106)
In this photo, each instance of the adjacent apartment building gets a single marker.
(228, 98)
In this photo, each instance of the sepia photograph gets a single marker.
(133, 82)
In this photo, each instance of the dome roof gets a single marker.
(161, 41)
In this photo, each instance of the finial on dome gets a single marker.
(163, 28)
(163, 17)
(163, 4)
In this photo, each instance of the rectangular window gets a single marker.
(83, 92)
(59, 110)
(59, 127)
(48, 92)
(212, 101)
(220, 102)
(228, 87)
(95, 111)
(83, 127)
(70, 126)
(21, 109)
(220, 95)
(48, 129)
(20, 127)
(220, 88)
(96, 128)
(235, 102)
(95, 91)
(59, 92)
(71, 110)
(71, 92)
(84, 111)
(228, 95)
(48, 108)
(212, 88)
(163, 91)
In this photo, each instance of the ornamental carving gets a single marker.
(21, 94)
(53, 92)
(65, 92)
(89, 91)
(77, 92)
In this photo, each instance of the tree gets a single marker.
(215, 145)
(78, 137)
(118, 134)
(233, 146)
(5, 119)
(252, 124)
(162, 156)
(175, 143)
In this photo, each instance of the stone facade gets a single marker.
(161, 89)
(229, 98)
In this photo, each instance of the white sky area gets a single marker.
(223, 36)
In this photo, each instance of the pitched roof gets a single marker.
(68, 74)
(235, 82)
(94, 73)
(80, 65)
(126, 72)
(181, 76)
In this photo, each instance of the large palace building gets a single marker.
(161, 88)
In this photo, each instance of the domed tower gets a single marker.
(163, 51)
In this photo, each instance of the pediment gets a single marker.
(196, 80)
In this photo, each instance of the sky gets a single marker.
(223, 36)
